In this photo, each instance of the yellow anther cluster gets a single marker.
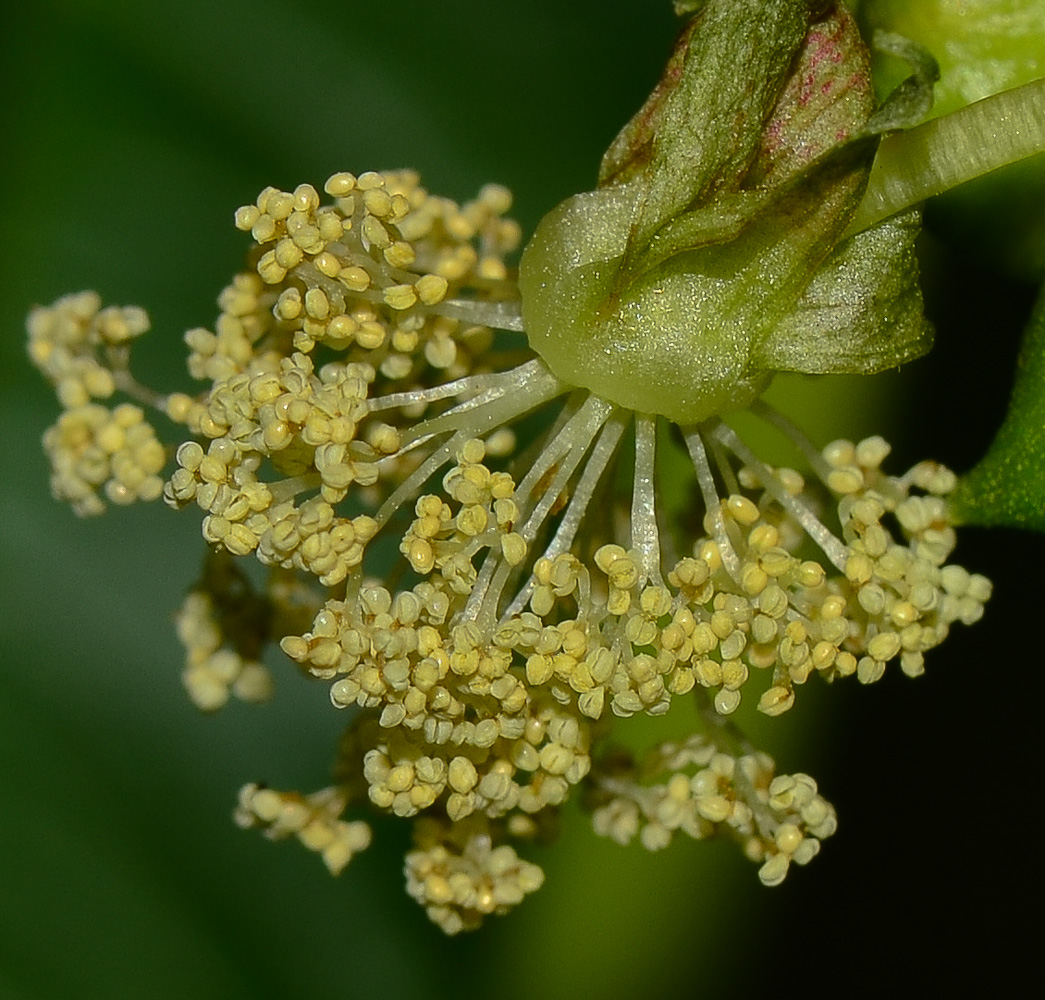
(305, 426)
(314, 539)
(366, 269)
(83, 350)
(77, 345)
(456, 720)
(486, 513)
(314, 819)
(224, 623)
(902, 598)
(94, 448)
(459, 876)
(243, 336)
(213, 671)
(696, 789)
(459, 548)
(492, 716)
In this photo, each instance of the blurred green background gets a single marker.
(130, 133)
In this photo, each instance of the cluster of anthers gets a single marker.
(365, 383)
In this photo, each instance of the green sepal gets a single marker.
(862, 311)
(1007, 487)
(983, 46)
(912, 99)
(700, 129)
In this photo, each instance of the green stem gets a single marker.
(940, 154)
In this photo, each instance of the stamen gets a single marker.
(725, 734)
(497, 315)
(523, 390)
(412, 484)
(599, 458)
(712, 502)
(725, 468)
(568, 447)
(287, 488)
(459, 387)
(811, 524)
(127, 383)
(645, 535)
(477, 606)
(573, 440)
(771, 415)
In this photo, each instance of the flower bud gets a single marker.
(714, 251)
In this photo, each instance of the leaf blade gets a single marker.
(1007, 486)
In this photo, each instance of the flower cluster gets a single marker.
(356, 392)
(83, 351)
(464, 532)
(778, 820)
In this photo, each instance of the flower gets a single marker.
(464, 531)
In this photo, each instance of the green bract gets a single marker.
(1007, 487)
(713, 254)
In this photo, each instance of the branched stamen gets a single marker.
(724, 467)
(772, 416)
(728, 738)
(506, 398)
(477, 384)
(571, 442)
(601, 454)
(517, 393)
(712, 502)
(563, 454)
(478, 605)
(811, 524)
(497, 315)
(128, 384)
(412, 484)
(285, 489)
(645, 535)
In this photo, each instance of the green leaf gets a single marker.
(1007, 487)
